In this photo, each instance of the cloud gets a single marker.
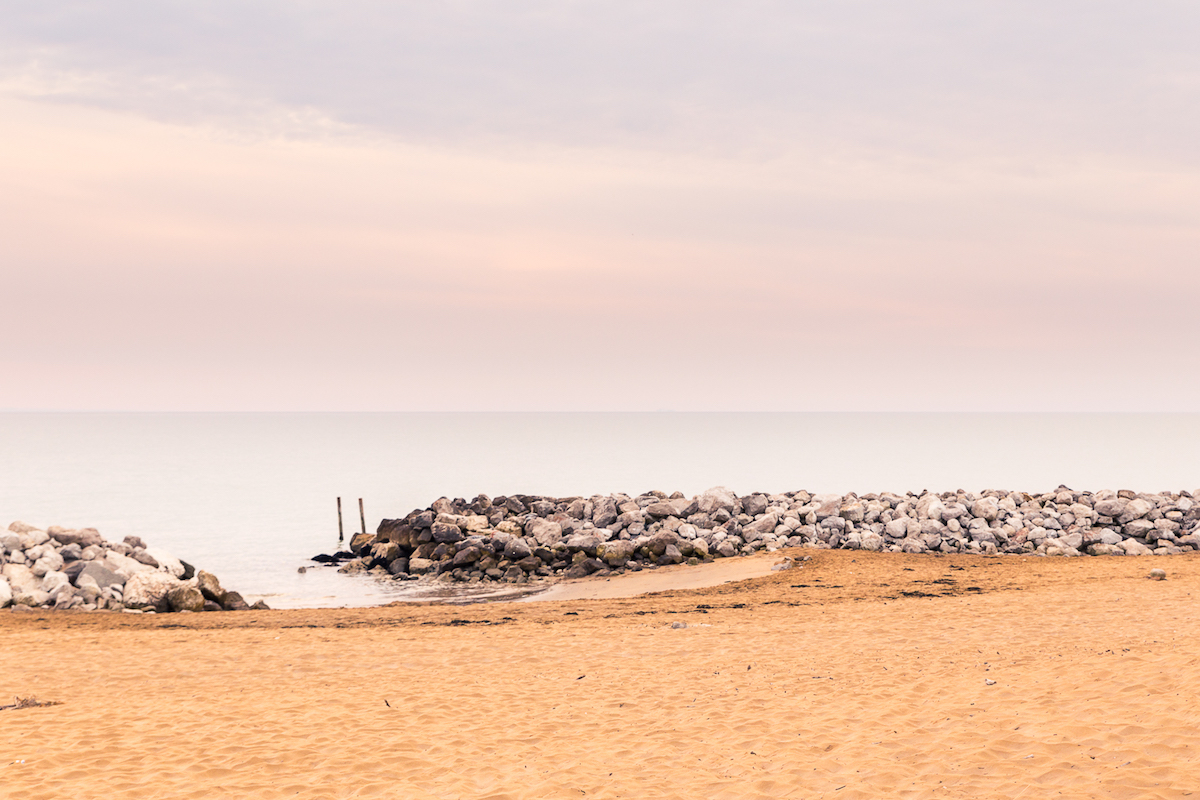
(298, 205)
(921, 78)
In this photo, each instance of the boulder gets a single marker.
(754, 505)
(123, 565)
(167, 562)
(185, 598)
(1110, 507)
(149, 590)
(661, 509)
(616, 553)
(21, 578)
(446, 533)
(717, 498)
(420, 566)
(361, 542)
(53, 581)
(870, 541)
(544, 532)
(234, 602)
(468, 555)
(987, 508)
(604, 512)
(84, 537)
(210, 587)
(6, 594)
(1135, 509)
(50, 561)
(583, 542)
(1133, 547)
(515, 549)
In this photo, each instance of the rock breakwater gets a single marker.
(76, 568)
(523, 538)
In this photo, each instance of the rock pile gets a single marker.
(61, 568)
(521, 538)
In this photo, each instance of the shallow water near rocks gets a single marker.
(251, 497)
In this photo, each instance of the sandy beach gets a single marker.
(855, 676)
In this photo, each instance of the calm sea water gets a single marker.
(251, 497)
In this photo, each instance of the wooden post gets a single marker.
(341, 536)
(362, 517)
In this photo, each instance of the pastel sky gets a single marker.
(615, 205)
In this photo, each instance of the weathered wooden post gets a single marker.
(341, 536)
(361, 516)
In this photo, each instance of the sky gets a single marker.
(292, 205)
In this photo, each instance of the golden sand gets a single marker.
(857, 676)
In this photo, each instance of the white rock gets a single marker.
(21, 579)
(1133, 547)
(54, 580)
(148, 589)
(5, 593)
(166, 562)
(985, 508)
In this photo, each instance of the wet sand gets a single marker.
(857, 676)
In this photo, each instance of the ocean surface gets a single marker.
(252, 497)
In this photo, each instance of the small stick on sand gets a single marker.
(29, 702)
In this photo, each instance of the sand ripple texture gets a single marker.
(858, 676)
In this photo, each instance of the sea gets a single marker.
(252, 497)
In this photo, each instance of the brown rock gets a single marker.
(185, 598)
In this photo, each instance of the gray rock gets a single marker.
(754, 505)
(727, 549)
(468, 555)
(718, 498)
(1135, 509)
(583, 542)
(233, 602)
(71, 552)
(544, 532)
(1138, 527)
(515, 549)
(142, 557)
(604, 512)
(660, 510)
(446, 533)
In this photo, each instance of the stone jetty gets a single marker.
(521, 538)
(64, 568)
